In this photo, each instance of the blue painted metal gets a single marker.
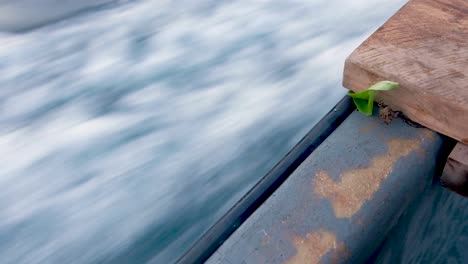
(340, 203)
(434, 229)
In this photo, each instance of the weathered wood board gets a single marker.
(455, 175)
(424, 47)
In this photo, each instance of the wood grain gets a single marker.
(424, 47)
(455, 174)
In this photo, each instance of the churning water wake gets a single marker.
(128, 128)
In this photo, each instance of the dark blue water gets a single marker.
(127, 130)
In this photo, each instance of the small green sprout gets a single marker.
(364, 100)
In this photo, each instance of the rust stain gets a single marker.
(421, 153)
(314, 246)
(358, 185)
(427, 134)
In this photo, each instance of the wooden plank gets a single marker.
(424, 47)
(455, 175)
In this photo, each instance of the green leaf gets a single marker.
(364, 100)
(384, 86)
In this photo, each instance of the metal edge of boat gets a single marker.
(225, 226)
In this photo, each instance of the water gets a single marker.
(127, 130)
(20, 15)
